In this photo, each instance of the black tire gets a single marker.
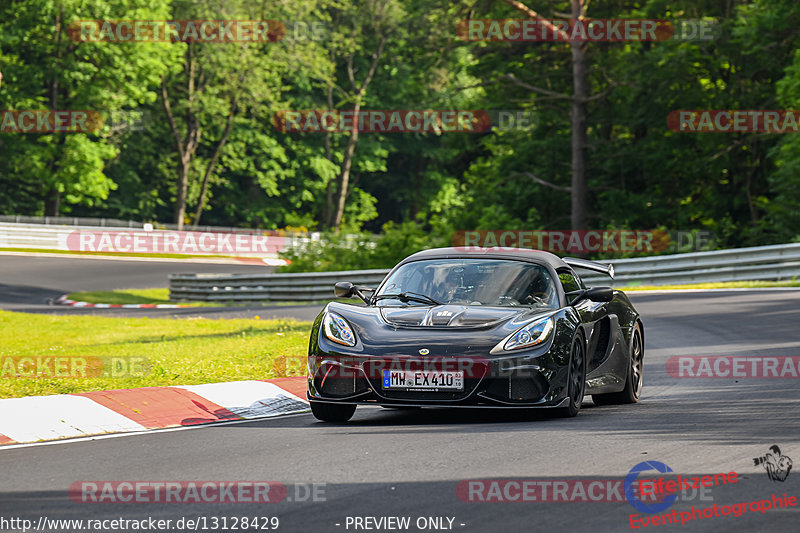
(332, 412)
(576, 378)
(633, 383)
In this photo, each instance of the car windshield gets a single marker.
(493, 282)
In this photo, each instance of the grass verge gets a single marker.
(142, 352)
(134, 296)
(719, 285)
(161, 296)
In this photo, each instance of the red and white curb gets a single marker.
(65, 300)
(42, 418)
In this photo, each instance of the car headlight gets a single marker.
(338, 330)
(530, 335)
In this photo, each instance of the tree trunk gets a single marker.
(182, 186)
(580, 93)
(212, 163)
(327, 215)
(359, 91)
(188, 145)
(344, 177)
(52, 203)
(579, 98)
(748, 188)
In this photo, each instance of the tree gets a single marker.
(357, 46)
(578, 98)
(46, 68)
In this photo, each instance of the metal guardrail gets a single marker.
(71, 221)
(38, 236)
(57, 237)
(305, 287)
(778, 262)
(112, 223)
(775, 263)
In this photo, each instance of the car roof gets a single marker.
(518, 254)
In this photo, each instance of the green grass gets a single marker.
(720, 285)
(174, 352)
(134, 296)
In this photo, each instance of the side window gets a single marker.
(569, 280)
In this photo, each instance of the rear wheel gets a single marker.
(633, 383)
(576, 379)
(332, 412)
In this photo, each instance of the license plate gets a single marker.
(423, 380)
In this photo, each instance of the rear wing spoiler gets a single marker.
(603, 268)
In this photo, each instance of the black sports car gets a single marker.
(485, 327)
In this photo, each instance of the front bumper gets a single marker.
(537, 379)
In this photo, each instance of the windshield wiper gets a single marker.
(408, 296)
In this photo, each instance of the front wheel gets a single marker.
(332, 412)
(633, 383)
(576, 379)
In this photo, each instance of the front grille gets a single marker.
(331, 382)
(527, 389)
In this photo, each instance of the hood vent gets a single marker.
(447, 315)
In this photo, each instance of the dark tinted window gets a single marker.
(495, 282)
(569, 281)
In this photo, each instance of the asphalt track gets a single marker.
(409, 463)
(28, 283)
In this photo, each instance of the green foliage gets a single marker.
(398, 241)
(414, 188)
(360, 250)
(332, 251)
(44, 69)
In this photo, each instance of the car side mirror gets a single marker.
(600, 294)
(344, 289)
